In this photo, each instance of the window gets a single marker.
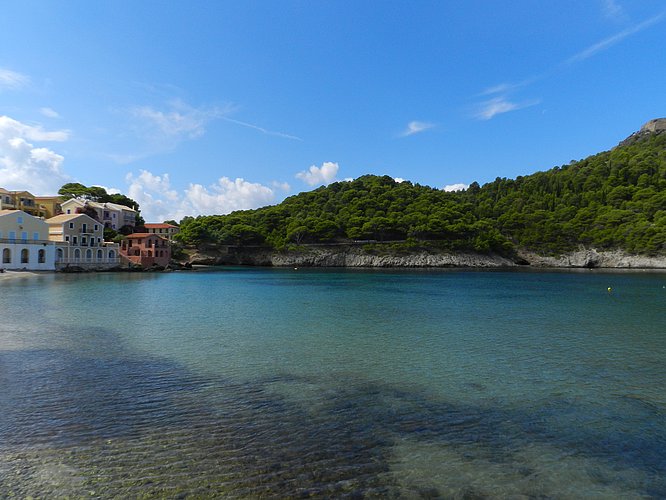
(89, 255)
(85, 228)
(112, 254)
(35, 236)
(59, 254)
(99, 254)
(66, 238)
(69, 211)
(77, 254)
(19, 219)
(12, 235)
(6, 256)
(74, 240)
(71, 224)
(24, 235)
(41, 256)
(25, 256)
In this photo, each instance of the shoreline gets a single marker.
(354, 257)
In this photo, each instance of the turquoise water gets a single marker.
(297, 383)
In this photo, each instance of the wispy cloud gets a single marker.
(612, 40)
(416, 127)
(178, 121)
(49, 112)
(506, 87)
(502, 104)
(263, 130)
(611, 9)
(12, 80)
(498, 105)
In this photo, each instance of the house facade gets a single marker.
(24, 242)
(20, 200)
(111, 215)
(146, 249)
(80, 242)
(165, 230)
(49, 205)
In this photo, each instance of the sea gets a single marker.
(333, 383)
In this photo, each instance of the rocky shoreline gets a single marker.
(355, 256)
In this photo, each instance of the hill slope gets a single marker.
(615, 200)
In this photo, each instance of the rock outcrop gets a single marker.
(354, 256)
(656, 126)
(591, 258)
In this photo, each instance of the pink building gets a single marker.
(146, 249)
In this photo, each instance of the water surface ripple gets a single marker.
(274, 384)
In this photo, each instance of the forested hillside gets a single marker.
(612, 200)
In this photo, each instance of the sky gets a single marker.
(205, 107)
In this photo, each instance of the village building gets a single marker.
(80, 242)
(20, 200)
(50, 206)
(146, 249)
(24, 242)
(111, 215)
(165, 230)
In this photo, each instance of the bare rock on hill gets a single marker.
(656, 126)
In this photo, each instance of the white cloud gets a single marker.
(498, 105)
(24, 166)
(228, 195)
(399, 180)
(455, 187)
(319, 175)
(49, 112)
(415, 127)
(9, 126)
(12, 80)
(160, 202)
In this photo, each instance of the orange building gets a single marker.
(146, 249)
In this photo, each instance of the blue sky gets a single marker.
(204, 107)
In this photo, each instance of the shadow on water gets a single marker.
(129, 427)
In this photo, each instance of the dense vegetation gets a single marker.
(615, 199)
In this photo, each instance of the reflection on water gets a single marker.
(415, 408)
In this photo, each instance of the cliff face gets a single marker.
(341, 256)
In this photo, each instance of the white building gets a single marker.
(24, 242)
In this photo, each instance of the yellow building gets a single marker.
(20, 200)
(50, 205)
(24, 242)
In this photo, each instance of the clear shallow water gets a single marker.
(281, 383)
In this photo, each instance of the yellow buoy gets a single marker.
(610, 289)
